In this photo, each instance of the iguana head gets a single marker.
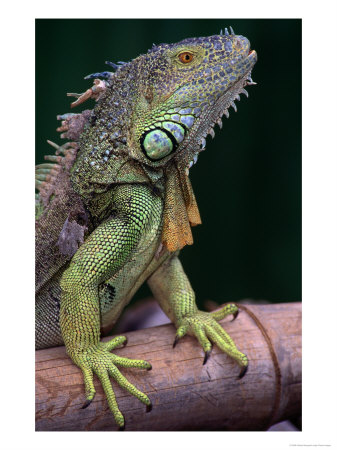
(183, 91)
(152, 118)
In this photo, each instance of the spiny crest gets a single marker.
(46, 174)
(180, 92)
(226, 32)
(94, 92)
(218, 121)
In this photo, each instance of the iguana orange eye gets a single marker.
(186, 57)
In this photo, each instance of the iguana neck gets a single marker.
(105, 159)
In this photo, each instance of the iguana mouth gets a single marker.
(252, 54)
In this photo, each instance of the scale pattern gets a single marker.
(117, 208)
(108, 247)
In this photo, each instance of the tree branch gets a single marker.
(185, 394)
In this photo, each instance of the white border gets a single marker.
(319, 222)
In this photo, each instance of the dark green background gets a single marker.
(247, 182)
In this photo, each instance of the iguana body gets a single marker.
(115, 210)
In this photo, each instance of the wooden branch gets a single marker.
(185, 394)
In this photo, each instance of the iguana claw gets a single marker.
(175, 342)
(149, 408)
(207, 355)
(243, 372)
(235, 315)
(86, 404)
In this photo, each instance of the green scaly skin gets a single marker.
(147, 128)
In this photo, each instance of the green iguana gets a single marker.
(115, 204)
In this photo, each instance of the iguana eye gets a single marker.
(185, 57)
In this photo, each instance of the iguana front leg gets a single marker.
(175, 295)
(104, 252)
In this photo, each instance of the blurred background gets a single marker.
(247, 182)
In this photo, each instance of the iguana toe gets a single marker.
(205, 328)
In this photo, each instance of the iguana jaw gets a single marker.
(205, 123)
(214, 116)
(172, 120)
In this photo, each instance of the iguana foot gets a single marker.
(205, 328)
(99, 360)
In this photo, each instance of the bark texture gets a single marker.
(185, 394)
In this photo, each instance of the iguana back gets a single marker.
(61, 226)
